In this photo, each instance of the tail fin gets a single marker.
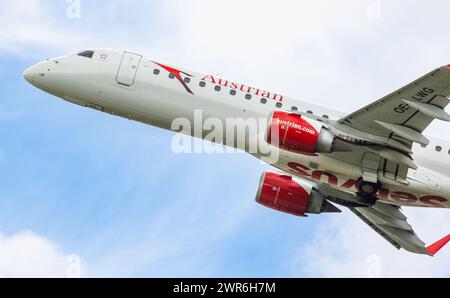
(435, 247)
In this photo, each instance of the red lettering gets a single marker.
(299, 168)
(332, 179)
(349, 184)
(428, 200)
(210, 78)
(277, 97)
(234, 85)
(223, 83)
(383, 194)
(404, 197)
(266, 94)
(247, 90)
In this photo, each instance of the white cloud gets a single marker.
(269, 42)
(344, 246)
(327, 52)
(29, 27)
(29, 255)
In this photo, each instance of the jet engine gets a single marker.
(282, 193)
(294, 133)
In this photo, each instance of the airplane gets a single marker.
(373, 161)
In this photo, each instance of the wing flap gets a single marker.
(383, 219)
(390, 210)
(408, 240)
(398, 232)
(376, 228)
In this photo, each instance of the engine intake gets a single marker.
(282, 193)
(294, 133)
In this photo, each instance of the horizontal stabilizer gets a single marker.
(435, 247)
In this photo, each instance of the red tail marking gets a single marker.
(435, 247)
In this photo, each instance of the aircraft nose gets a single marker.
(30, 74)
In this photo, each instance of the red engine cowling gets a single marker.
(282, 193)
(292, 132)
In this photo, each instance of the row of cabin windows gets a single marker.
(232, 92)
(437, 149)
(247, 95)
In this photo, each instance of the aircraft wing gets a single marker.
(402, 116)
(392, 225)
(387, 220)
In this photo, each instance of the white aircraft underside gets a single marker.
(372, 161)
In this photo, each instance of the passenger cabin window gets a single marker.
(294, 109)
(279, 105)
(87, 54)
(233, 92)
(438, 148)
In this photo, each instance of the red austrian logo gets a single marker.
(177, 74)
(243, 88)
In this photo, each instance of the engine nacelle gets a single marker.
(294, 133)
(282, 193)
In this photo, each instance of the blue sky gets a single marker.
(111, 191)
(107, 188)
(75, 181)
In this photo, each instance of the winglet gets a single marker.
(435, 247)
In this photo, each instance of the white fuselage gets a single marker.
(152, 93)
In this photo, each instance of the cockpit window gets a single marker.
(87, 54)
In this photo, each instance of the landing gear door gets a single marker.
(128, 69)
